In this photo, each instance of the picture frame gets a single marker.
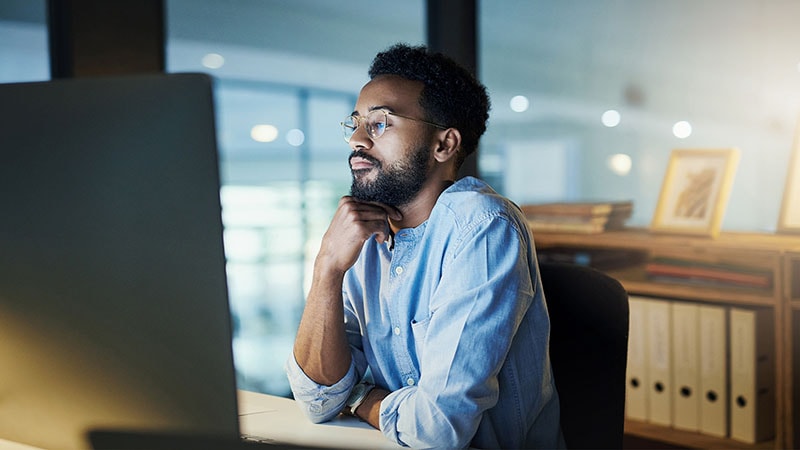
(695, 191)
(789, 218)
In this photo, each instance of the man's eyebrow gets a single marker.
(374, 108)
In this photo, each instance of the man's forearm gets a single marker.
(321, 348)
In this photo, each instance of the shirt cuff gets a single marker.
(388, 418)
(319, 402)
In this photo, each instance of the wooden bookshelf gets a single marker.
(792, 345)
(779, 255)
(687, 439)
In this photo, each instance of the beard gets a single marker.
(396, 185)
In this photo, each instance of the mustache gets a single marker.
(364, 155)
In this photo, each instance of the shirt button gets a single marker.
(398, 270)
(410, 381)
(397, 331)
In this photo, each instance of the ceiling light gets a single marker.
(295, 137)
(213, 60)
(682, 129)
(611, 118)
(519, 103)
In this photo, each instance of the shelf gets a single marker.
(635, 281)
(760, 253)
(688, 292)
(640, 238)
(688, 438)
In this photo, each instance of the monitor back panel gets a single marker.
(113, 298)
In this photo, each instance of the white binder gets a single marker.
(636, 380)
(714, 370)
(752, 374)
(659, 362)
(685, 366)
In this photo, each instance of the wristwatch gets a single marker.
(357, 396)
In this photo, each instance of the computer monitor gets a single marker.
(113, 299)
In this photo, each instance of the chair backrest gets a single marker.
(588, 352)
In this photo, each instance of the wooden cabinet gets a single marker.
(776, 255)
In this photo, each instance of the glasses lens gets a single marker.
(349, 126)
(376, 123)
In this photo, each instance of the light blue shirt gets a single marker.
(452, 321)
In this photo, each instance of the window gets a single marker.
(23, 41)
(589, 98)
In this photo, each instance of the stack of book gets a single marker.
(578, 217)
(681, 271)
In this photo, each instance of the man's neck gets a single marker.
(419, 208)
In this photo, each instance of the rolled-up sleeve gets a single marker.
(320, 402)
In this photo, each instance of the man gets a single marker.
(425, 315)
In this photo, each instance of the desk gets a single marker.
(8, 445)
(281, 420)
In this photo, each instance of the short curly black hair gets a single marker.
(452, 96)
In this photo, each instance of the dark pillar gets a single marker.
(105, 37)
(452, 28)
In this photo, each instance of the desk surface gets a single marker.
(280, 420)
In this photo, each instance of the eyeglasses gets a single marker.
(375, 123)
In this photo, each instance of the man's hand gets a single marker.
(355, 221)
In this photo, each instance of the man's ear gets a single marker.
(449, 144)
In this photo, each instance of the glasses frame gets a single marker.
(386, 113)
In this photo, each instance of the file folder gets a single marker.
(685, 366)
(714, 370)
(637, 383)
(752, 375)
(659, 362)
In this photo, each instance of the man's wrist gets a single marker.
(357, 397)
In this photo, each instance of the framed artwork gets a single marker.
(789, 219)
(695, 191)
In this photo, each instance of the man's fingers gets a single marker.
(382, 231)
(392, 212)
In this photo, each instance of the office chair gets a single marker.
(588, 352)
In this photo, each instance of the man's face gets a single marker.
(392, 168)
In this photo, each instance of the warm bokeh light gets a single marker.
(620, 164)
(264, 133)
